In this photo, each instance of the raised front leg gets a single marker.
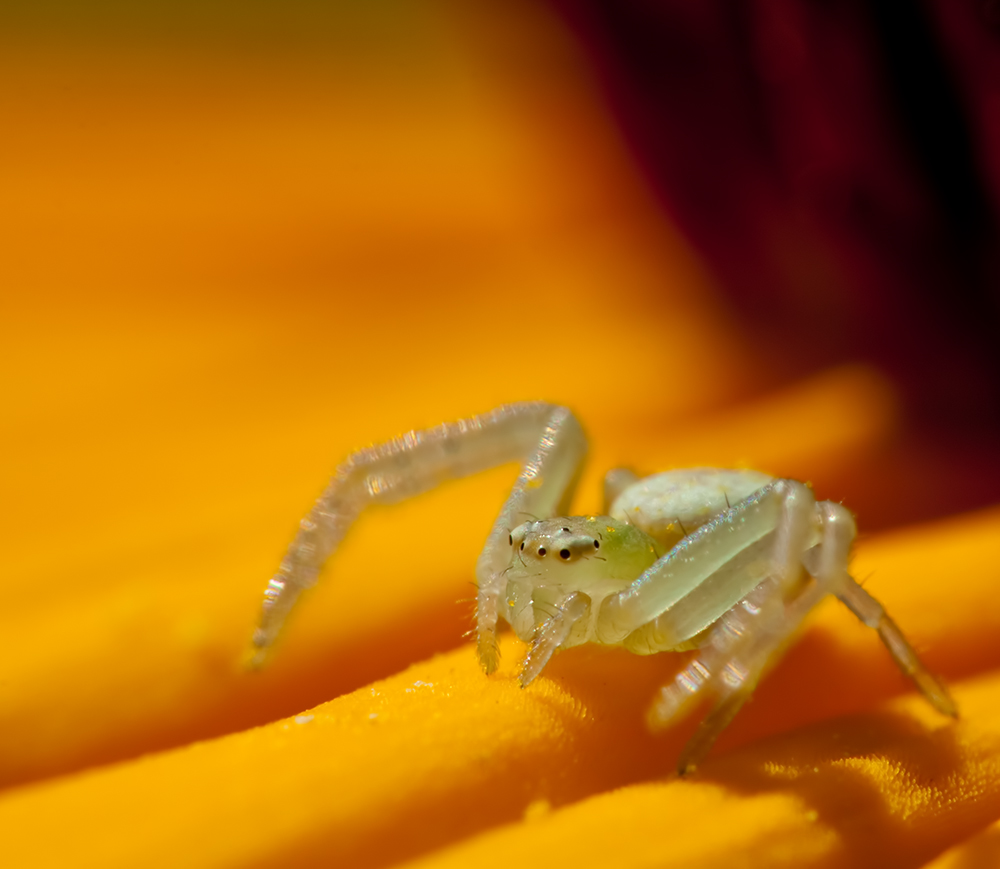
(548, 436)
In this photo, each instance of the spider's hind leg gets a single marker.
(872, 614)
(738, 655)
(718, 719)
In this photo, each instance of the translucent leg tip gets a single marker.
(254, 659)
(686, 767)
(488, 651)
(937, 694)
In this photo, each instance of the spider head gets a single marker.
(551, 558)
(577, 551)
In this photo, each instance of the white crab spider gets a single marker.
(728, 562)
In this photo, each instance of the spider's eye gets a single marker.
(567, 530)
(522, 546)
(510, 539)
(564, 553)
(597, 545)
(541, 550)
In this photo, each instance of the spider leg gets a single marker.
(728, 668)
(550, 438)
(616, 481)
(551, 634)
(738, 652)
(872, 614)
(714, 568)
(544, 488)
(719, 717)
(747, 636)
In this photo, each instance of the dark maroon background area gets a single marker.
(837, 162)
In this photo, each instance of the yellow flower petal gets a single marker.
(887, 788)
(440, 751)
(153, 660)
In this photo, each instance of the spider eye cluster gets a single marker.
(544, 539)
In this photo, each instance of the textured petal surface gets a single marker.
(439, 752)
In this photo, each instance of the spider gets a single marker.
(727, 562)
